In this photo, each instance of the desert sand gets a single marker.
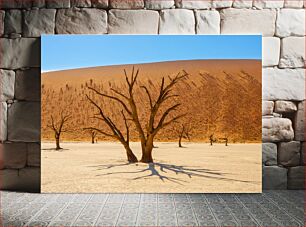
(196, 168)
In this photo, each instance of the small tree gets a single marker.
(93, 135)
(184, 132)
(59, 127)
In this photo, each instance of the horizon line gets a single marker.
(143, 63)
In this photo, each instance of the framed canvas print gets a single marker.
(151, 114)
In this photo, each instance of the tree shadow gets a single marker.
(54, 149)
(160, 170)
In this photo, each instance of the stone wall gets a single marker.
(281, 22)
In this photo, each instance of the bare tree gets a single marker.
(93, 134)
(184, 132)
(58, 127)
(116, 133)
(152, 127)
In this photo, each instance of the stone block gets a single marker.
(103, 4)
(34, 154)
(3, 121)
(248, 21)
(7, 81)
(267, 107)
(191, 4)
(270, 51)
(13, 22)
(296, 178)
(290, 22)
(25, 180)
(2, 16)
(159, 4)
(177, 21)
(262, 4)
(81, 21)
(15, 4)
(20, 53)
(39, 3)
(27, 85)
(299, 122)
(13, 155)
(293, 3)
(222, 3)
(138, 22)
(277, 129)
(242, 4)
(289, 153)
(269, 154)
(303, 160)
(55, 4)
(293, 52)
(208, 22)
(38, 22)
(283, 84)
(24, 122)
(126, 4)
(285, 107)
(274, 177)
(80, 3)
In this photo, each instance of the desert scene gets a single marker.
(176, 126)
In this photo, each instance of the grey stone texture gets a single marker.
(7, 80)
(303, 160)
(24, 122)
(39, 3)
(270, 51)
(20, 53)
(267, 107)
(296, 177)
(263, 4)
(13, 22)
(3, 121)
(80, 3)
(299, 122)
(39, 22)
(159, 4)
(248, 21)
(191, 4)
(277, 129)
(283, 84)
(293, 52)
(290, 22)
(208, 22)
(81, 21)
(2, 15)
(34, 155)
(27, 85)
(293, 3)
(178, 21)
(133, 22)
(285, 106)
(274, 177)
(289, 153)
(126, 4)
(240, 4)
(26, 179)
(269, 154)
(99, 3)
(15, 4)
(13, 155)
(55, 4)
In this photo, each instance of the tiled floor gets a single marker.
(271, 208)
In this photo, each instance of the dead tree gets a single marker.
(116, 133)
(58, 127)
(93, 135)
(184, 133)
(127, 101)
(212, 139)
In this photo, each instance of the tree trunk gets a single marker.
(147, 151)
(57, 141)
(180, 141)
(92, 139)
(130, 155)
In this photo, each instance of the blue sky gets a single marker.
(78, 51)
